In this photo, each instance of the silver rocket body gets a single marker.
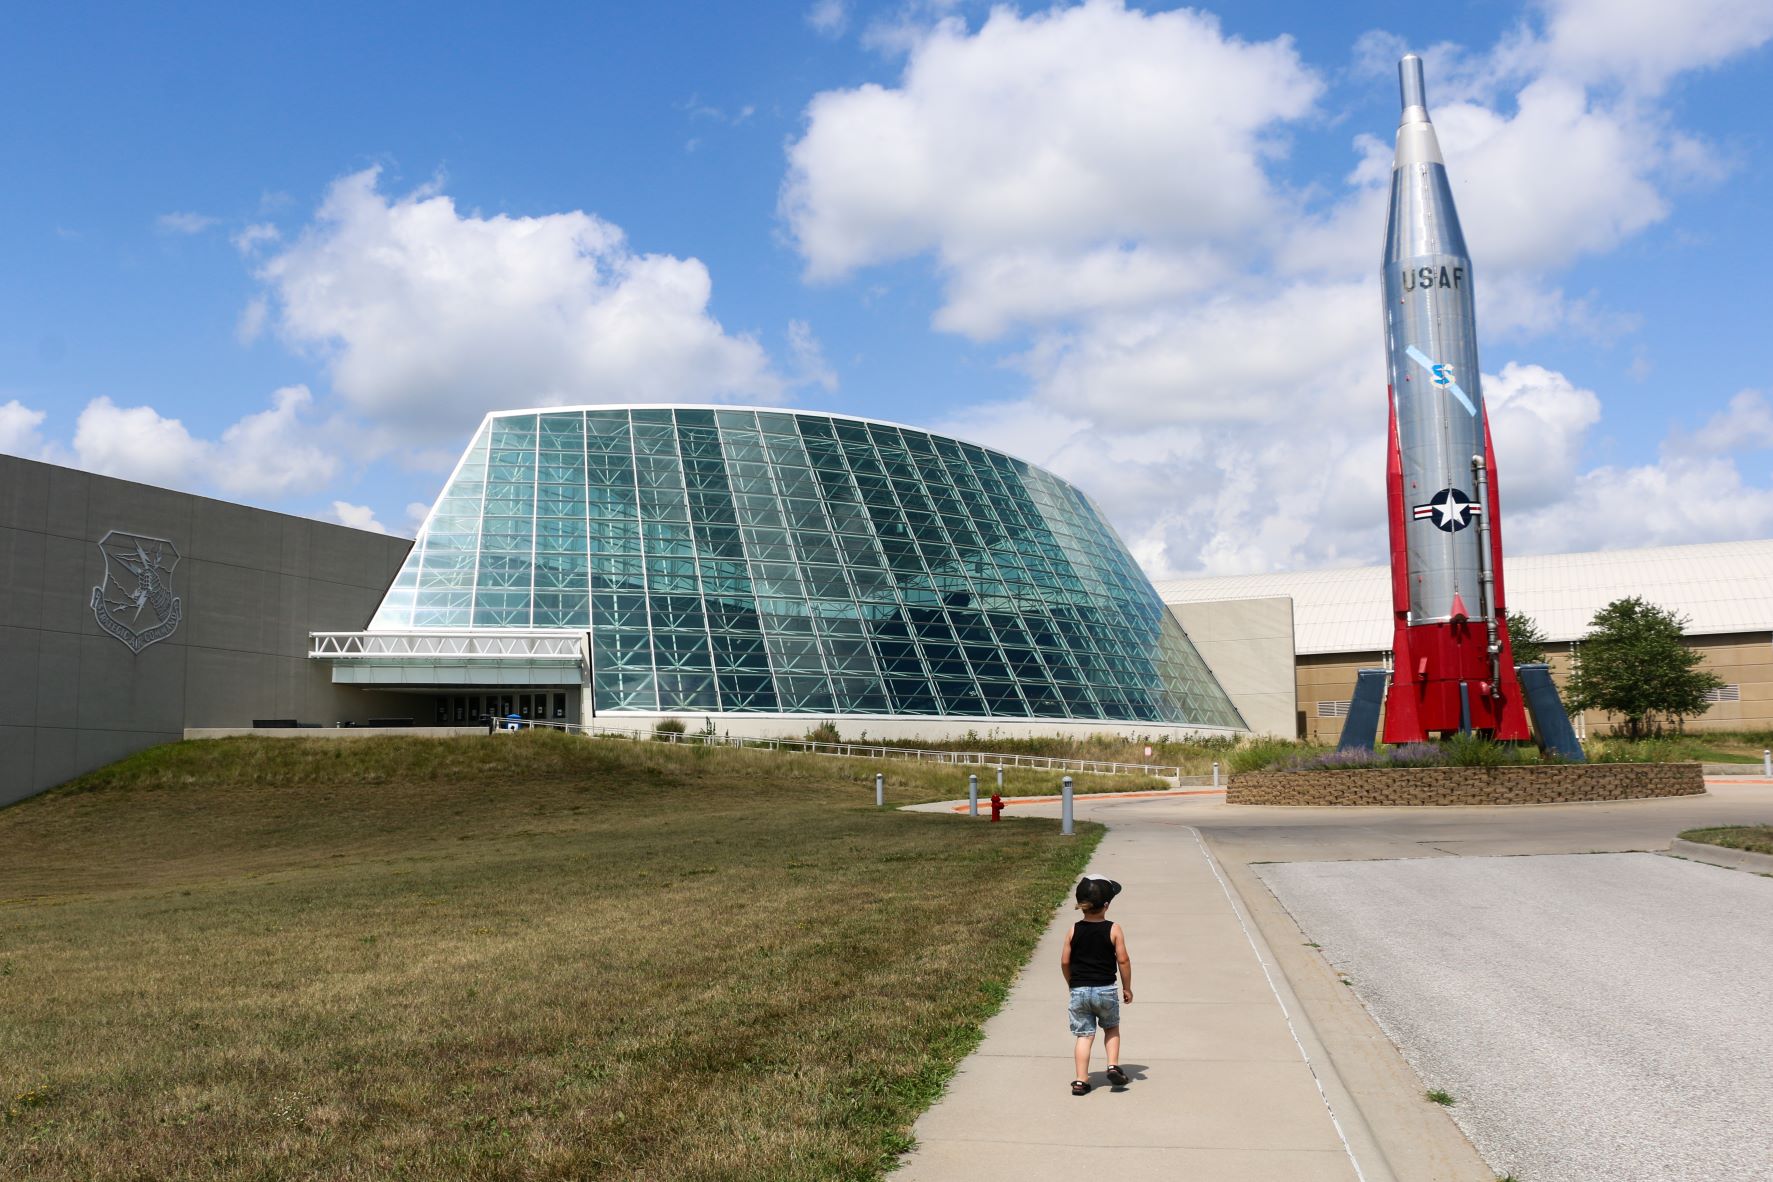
(1431, 348)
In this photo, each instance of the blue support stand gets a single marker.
(1361, 730)
(1550, 719)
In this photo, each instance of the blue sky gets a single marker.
(290, 259)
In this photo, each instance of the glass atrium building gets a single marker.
(748, 561)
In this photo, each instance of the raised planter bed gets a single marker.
(1521, 784)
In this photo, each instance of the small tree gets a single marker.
(1634, 665)
(1525, 639)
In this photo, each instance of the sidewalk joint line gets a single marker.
(1237, 909)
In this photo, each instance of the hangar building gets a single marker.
(129, 613)
(1287, 646)
(758, 570)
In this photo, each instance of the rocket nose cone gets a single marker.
(1416, 141)
(1412, 89)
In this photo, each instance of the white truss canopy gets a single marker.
(500, 645)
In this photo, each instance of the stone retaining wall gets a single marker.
(1528, 784)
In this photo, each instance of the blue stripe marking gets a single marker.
(1422, 359)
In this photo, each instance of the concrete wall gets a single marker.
(1248, 644)
(251, 585)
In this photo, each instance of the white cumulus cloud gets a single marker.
(1200, 335)
(137, 443)
(1061, 133)
(355, 516)
(1644, 43)
(19, 429)
(274, 451)
(429, 317)
(1539, 420)
(1559, 177)
(1746, 424)
(271, 453)
(1678, 499)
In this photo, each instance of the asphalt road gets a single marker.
(1252, 834)
(1595, 1017)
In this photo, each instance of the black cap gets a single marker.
(1097, 889)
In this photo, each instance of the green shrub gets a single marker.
(1477, 751)
(1456, 751)
(825, 732)
(1260, 753)
(669, 726)
(1621, 750)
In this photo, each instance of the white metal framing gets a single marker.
(500, 644)
(351, 645)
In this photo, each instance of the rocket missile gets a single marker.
(1452, 665)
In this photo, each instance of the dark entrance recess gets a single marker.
(470, 709)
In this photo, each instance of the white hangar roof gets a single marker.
(1720, 587)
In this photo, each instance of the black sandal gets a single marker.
(1116, 1076)
(1080, 1087)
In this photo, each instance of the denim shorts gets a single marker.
(1093, 1003)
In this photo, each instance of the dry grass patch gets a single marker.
(1756, 839)
(521, 957)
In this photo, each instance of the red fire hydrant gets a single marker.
(996, 806)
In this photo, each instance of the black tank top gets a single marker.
(1092, 953)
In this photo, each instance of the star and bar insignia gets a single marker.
(1450, 510)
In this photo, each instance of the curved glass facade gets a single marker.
(776, 561)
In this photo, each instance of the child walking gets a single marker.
(1094, 948)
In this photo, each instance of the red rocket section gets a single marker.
(1432, 661)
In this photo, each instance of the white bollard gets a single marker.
(1000, 779)
(1767, 761)
(1215, 773)
(1066, 827)
(879, 790)
(972, 796)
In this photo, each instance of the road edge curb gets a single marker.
(1364, 1150)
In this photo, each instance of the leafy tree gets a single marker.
(1525, 639)
(1634, 665)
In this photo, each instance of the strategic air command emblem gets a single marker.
(135, 603)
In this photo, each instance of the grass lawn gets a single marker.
(1754, 838)
(517, 957)
(1697, 746)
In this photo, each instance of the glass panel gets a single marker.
(898, 571)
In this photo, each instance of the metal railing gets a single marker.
(488, 645)
(1052, 763)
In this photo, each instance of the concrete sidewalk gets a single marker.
(1227, 1067)
(1222, 1088)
